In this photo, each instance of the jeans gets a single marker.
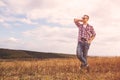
(82, 52)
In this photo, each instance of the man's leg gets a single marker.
(80, 56)
(85, 52)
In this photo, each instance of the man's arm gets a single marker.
(91, 39)
(93, 35)
(76, 21)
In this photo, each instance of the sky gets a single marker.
(47, 25)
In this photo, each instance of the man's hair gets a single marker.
(87, 16)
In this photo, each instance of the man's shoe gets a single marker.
(87, 68)
(82, 66)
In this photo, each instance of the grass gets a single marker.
(60, 69)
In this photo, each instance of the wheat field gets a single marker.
(60, 69)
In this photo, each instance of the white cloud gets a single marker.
(55, 11)
(12, 42)
(6, 25)
(2, 3)
(62, 12)
(17, 7)
(12, 39)
(53, 39)
(24, 20)
(1, 20)
(52, 33)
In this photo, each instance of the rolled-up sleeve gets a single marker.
(78, 24)
(93, 31)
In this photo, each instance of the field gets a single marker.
(101, 68)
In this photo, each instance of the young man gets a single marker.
(85, 37)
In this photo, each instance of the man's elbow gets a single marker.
(94, 35)
(75, 20)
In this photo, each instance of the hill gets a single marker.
(13, 54)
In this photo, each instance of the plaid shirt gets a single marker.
(85, 33)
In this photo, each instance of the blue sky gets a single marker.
(47, 25)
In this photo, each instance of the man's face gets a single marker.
(85, 18)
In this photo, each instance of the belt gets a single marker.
(83, 39)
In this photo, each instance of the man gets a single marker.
(85, 37)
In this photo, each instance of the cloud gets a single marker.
(62, 12)
(17, 7)
(1, 20)
(47, 38)
(2, 4)
(52, 33)
(27, 21)
(55, 11)
(11, 42)
(12, 39)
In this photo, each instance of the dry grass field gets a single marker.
(60, 69)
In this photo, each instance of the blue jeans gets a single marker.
(82, 52)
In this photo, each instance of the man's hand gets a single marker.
(90, 40)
